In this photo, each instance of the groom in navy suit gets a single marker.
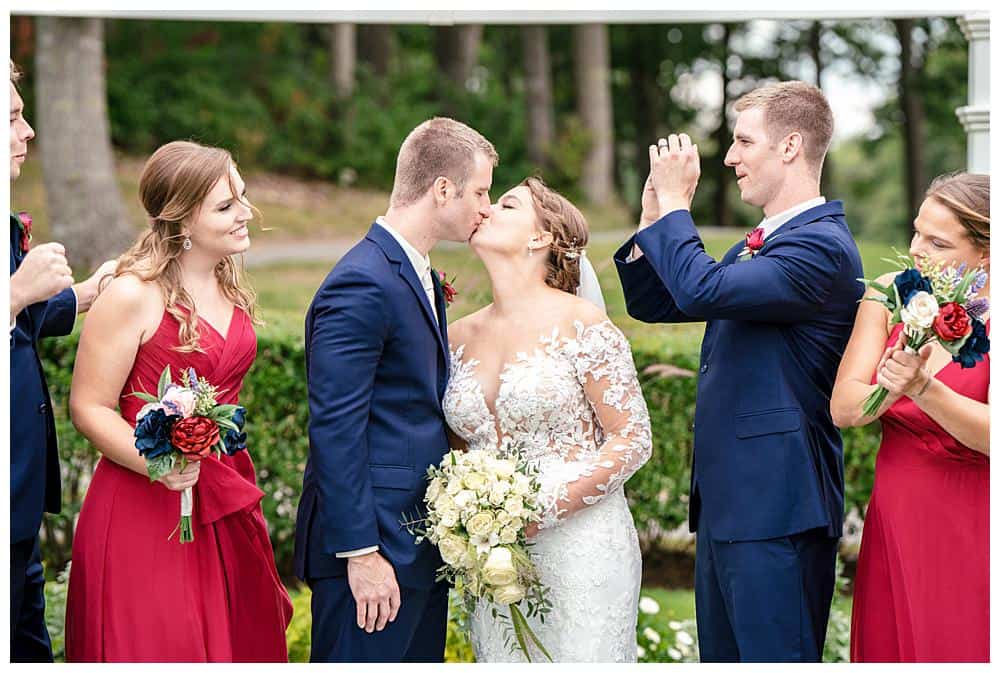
(43, 303)
(767, 483)
(377, 365)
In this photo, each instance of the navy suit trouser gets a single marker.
(417, 635)
(29, 638)
(763, 600)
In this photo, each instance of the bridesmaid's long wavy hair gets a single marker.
(174, 183)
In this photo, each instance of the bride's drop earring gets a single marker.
(187, 243)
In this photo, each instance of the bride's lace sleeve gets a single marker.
(604, 367)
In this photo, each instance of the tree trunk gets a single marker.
(913, 121)
(457, 51)
(376, 46)
(646, 100)
(343, 58)
(81, 190)
(592, 57)
(537, 70)
(723, 139)
(815, 50)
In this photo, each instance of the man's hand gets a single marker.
(650, 204)
(44, 273)
(373, 584)
(674, 169)
(87, 291)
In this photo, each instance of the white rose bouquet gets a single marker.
(478, 506)
(934, 303)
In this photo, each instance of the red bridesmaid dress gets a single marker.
(136, 596)
(922, 591)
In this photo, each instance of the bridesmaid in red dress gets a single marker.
(178, 299)
(922, 590)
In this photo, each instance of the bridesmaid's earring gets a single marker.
(187, 243)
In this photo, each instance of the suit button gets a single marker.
(43, 408)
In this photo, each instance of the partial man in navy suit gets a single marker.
(377, 364)
(43, 302)
(767, 482)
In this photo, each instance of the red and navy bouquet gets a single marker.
(935, 303)
(183, 422)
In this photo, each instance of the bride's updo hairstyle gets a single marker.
(174, 183)
(568, 227)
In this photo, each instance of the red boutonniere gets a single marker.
(25, 220)
(754, 242)
(449, 290)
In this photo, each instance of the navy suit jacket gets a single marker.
(34, 454)
(377, 366)
(768, 460)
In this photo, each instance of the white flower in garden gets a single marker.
(648, 606)
(451, 547)
(919, 314)
(684, 638)
(499, 567)
(511, 593)
(651, 635)
(640, 651)
(480, 525)
(674, 653)
(675, 625)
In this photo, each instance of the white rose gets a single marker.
(514, 506)
(648, 605)
(464, 498)
(919, 314)
(503, 517)
(433, 490)
(499, 567)
(480, 524)
(449, 518)
(508, 535)
(451, 547)
(511, 593)
(504, 468)
(522, 485)
(453, 486)
(443, 503)
(474, 480)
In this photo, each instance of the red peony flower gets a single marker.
(25, 219)
(952, 322)
(755, 239)
(449, 291)
(195, 436)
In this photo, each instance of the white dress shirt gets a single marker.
(771, 224)
(422, 266)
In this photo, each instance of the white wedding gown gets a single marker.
(575, 410)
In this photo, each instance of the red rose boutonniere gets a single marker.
(449, 290)
(755, 241)
(25, 219)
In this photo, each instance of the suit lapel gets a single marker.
(395, 253)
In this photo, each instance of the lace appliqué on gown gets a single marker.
(574, 409)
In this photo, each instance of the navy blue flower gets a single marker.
(234, 441)
(239, 417)
(152, 434)
(977, 345)
(911, 282)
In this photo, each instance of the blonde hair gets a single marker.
(794, 106)
(568, 227)
(174, 183)
(439, 147)
(967, 196)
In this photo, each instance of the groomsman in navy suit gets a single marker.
(767, 483)
(43, 302)
(377, 365)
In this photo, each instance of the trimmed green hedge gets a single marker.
(275, 397)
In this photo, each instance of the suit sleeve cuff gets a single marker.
(357, 552)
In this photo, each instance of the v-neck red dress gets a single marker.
(922, 591)
(135, 595)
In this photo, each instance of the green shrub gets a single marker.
(276, 398)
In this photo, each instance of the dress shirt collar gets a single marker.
(770, 224)
(421, 263)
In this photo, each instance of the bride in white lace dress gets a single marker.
(546, 374)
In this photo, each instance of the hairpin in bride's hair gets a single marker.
(572, 251)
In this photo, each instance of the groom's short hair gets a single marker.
(15, 73)
(439, 147)
(794, 106)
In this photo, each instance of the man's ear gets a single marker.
(442, 189)
(791, 146)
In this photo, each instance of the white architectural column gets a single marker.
(975, 116)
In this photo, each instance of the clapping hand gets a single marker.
(674, 169)
(44, 273)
